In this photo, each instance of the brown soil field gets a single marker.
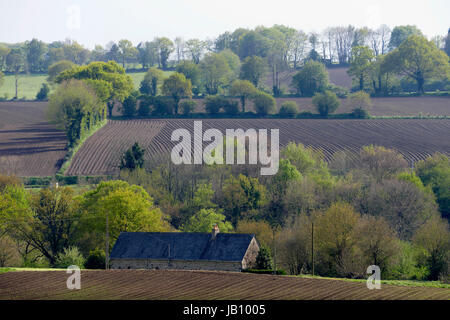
(415, 139)
(198, 285)
(29, 145)
(340, 77)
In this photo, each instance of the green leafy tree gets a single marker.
(133, 158)
(126, 51)
(205, 219)
(289, 109)
(264, 103)
(419, 59)
(244, 89)
(129, 105)
(95, 260)
(187, 106)
(191, 71)
(70, 256)
(58, 67)
(177, 87)
(108, 79)
(359, 102)
(401, 33)
(360, 63)
(34, 51)
(326, 102)
(165, 48)
(263, 259)
(152, 79)
(2, 78)
(312, 78)
(15, 63)
(129, 209)
(195, 48)
(435, 172)
(447, 43)
(253, 69)
(215, 72)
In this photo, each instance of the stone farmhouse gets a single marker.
(184, 250)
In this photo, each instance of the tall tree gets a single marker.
(360, 61)
(165, 48)
(15, 63)
(401, 33)
(126, 51)
(447, 43)
(419, 59)
(35, 51)
(180, 45)
(253, 69)
(177, 87)
(195, 47)
(244, 89)
(152, 79)
(215, 72)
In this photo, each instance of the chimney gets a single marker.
(215, 231)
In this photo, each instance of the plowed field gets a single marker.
(193, 285)
(414, 139)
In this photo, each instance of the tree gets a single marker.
(195, 47)
(264, 103)
(380, 162)
(129, 209)
(2, 78)
(177, 87)
(108, 80)
(133, 158)
(434, 171)
(152, 79)
(204, 220)
(244, 89)
(263, 259)
(401, 33)
(129, 106)
(126, 51)
(147, 53)
(420, 60)
(75, 52)
(359, 102)
(261, 229)
(253, 69)
(215, 72)
(165, 48)
(188, 106)
(52, 224)
(4, 51)
(191, 71)
(15, 64)
(34, 51)
(326, 102)
(75, 108)
(179, 48)
(289, 109)
(360, 63)
(58, 67)
(312, 78)
(447, 43)
(434, 238)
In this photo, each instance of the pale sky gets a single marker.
(93, 22)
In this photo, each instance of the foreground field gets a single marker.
(29, 145)
(415, 139)
(193, 285)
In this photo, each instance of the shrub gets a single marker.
(144, 106)
(279, 272)
(289, 109)
(129, 106)
(231, 107)
(326, 102)
(264, 103)
(133, 158)
(213, 104)
(360, 114)
(96, 260)
(70, 256)
(187, 106)
(43, 92)
(163, 106)
(360, 103)
(263, 259)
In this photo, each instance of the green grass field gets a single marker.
(30, 84)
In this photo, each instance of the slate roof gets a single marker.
(183, 246)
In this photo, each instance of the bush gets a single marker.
(360, 114)
(264, 103)
(326, 102)
(96, 260)
(213, 104)
(231, 107)
(187, 106)
(70, 256)
(133, 158)
(43, 93)
(163, 106)
(289, 109)
(279, 272)
(144, 106)
(129, 106)
(263, 259)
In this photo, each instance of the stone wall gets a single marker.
(175, 264)
(249, 260)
